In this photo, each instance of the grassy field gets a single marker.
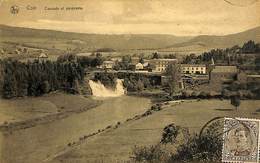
(116, 145)
(21, 109)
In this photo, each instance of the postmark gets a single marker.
(241, 140)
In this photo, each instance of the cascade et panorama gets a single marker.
(99, 90)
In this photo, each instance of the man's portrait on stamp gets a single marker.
(240, 139)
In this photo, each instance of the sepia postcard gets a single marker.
(129, 81)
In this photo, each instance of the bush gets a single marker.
(149, 154)
(204, 148)
(170, 133)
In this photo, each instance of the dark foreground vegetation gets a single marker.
(178, 145)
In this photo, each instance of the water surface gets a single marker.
(39, 143)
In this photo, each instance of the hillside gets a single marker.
(207, 42)
(62, 40)
(50, 39)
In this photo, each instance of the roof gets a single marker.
(139, 64)
(145, 64)
(164, 60)
(225, 69)
(193, 65)
(43, 55)
(253, 76)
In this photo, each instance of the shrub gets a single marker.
(170, 133)
(204, 148)
(149, 154)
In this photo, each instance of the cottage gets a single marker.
(160, 65)
(139, 66)
(193, 69)
(43, 56)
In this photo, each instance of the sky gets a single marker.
(176, 17)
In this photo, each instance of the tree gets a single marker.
(249, 47)
(235, 101)
(173, 71)
(170, 132)
(155, 56)
(98, 60)
(141, 60)
(139, 85)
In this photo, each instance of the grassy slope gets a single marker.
(62, 40)
(207, 42)
(117, 144)
(16, 110)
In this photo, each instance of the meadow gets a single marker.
(117, 145)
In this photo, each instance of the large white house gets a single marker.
(160, 65)
(193, 69)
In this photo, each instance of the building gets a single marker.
(108, 65)
(42, 56)
(139, 66)
(222, 76)
(193, 69)
(160, 65)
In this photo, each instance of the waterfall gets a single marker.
(99, 90)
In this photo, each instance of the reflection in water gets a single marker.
(43, 141)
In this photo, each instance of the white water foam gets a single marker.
(99, 90)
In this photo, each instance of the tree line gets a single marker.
(228, 55)
(37, 77)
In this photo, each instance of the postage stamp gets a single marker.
(241, 140)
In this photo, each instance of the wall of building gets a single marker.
(220, 80)
(193, 69)
(160, 65)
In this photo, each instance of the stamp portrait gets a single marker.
(241, 140)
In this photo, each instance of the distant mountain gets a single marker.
(42, 38)
(51, 39)
(206, 42)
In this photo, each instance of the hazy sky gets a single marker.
(177, 17)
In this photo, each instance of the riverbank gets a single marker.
(43, 142)
(22, 113)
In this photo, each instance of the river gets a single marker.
(39, 143)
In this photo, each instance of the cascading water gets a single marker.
(99, 90)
